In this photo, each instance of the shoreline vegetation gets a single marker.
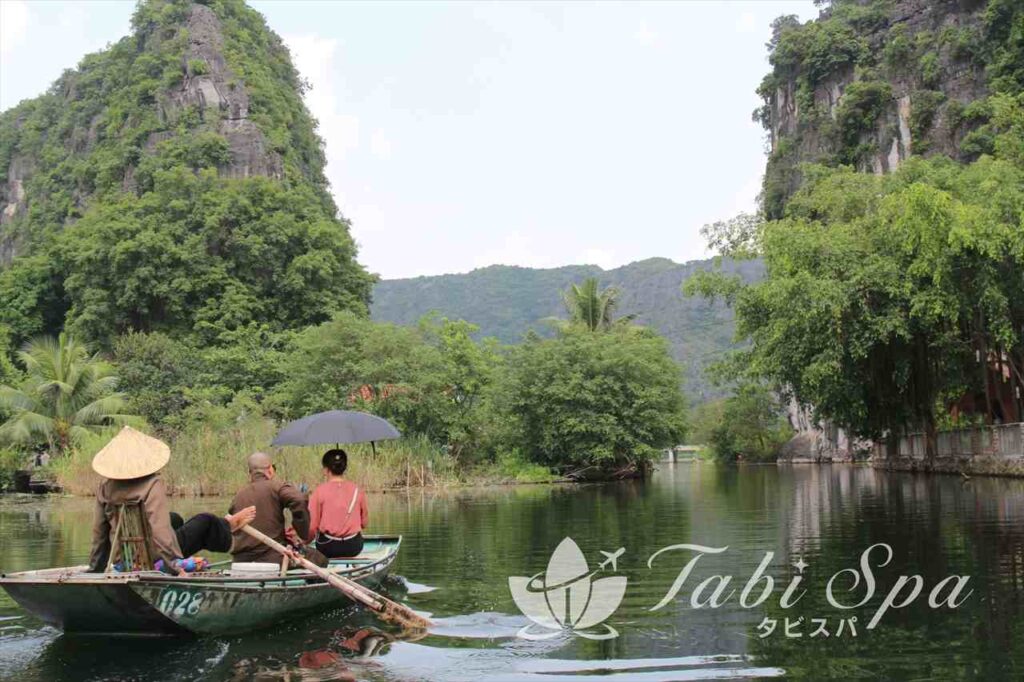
(209, 461)
(598, 401)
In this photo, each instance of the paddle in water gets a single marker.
(388, 610)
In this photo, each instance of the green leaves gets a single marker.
(65, 394)
(883, 292)
(592, 307)
(748, 424)
(199, 256)
(608, 400)
(431, 380)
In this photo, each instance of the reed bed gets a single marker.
(210, 460)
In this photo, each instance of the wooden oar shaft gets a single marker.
(360, 593)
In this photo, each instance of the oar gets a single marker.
(387, 610)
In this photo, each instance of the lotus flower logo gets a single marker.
(567, 597)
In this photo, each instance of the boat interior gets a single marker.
(378, 553)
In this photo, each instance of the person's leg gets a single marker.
(204, 531)
(341, 549)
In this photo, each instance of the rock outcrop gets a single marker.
(220, 97)
(915, 67)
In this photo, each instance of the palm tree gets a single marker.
(66, 394)
(590, 306)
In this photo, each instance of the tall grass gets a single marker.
(210, 459)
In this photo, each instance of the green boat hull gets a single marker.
(207, 604)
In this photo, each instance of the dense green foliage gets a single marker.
(748, 425)
(884, 293)
(66, 394)
(428, 380)
(610, 400)
(606, 400)
(199, 256)
(506, 302)
(133, 216)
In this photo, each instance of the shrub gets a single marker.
(607, 400)
(10, 461)
(749, 424)
(857, 114)
(923, 106)
(197, 67)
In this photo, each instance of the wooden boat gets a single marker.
(212, 602)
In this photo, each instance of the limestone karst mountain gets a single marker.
(172, 182)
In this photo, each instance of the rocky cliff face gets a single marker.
(180, 43)
(873, 81)
(870, 83)
(219, 96)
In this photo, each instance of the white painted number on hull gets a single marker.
(179, 604)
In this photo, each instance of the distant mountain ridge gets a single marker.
(507, 301)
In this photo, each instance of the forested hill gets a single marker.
(173, 183)
(506, 301)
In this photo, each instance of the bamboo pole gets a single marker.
(387, 610)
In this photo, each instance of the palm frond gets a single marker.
(99, 410)
(25, 426)
(66, 393)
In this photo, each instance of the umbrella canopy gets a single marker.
(336, 426)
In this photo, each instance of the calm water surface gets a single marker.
(461, 547)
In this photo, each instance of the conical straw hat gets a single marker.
(131, 454)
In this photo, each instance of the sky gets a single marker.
(460, 135)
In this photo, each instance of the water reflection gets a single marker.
(461, 546)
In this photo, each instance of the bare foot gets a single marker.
(241, 518)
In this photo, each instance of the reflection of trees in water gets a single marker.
(937, 526)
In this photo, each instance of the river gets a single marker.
(460, 547)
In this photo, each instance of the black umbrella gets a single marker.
(336, 426)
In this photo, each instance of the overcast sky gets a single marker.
(461, 135)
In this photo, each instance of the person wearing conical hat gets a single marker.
(130, 465)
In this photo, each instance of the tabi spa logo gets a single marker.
(567, 597)
(570, 597)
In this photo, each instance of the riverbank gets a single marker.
(969, 466)
(211, 461)
(979, 451)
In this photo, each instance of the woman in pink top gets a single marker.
(337, 510)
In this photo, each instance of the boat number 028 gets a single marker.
(175, 603)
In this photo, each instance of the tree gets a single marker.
(155, 373)
(599, 402)
(66, 394)
(200, 256)
(750, 425)
(589, 305)
(429, 380)
(469, 370)
(884, 294)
